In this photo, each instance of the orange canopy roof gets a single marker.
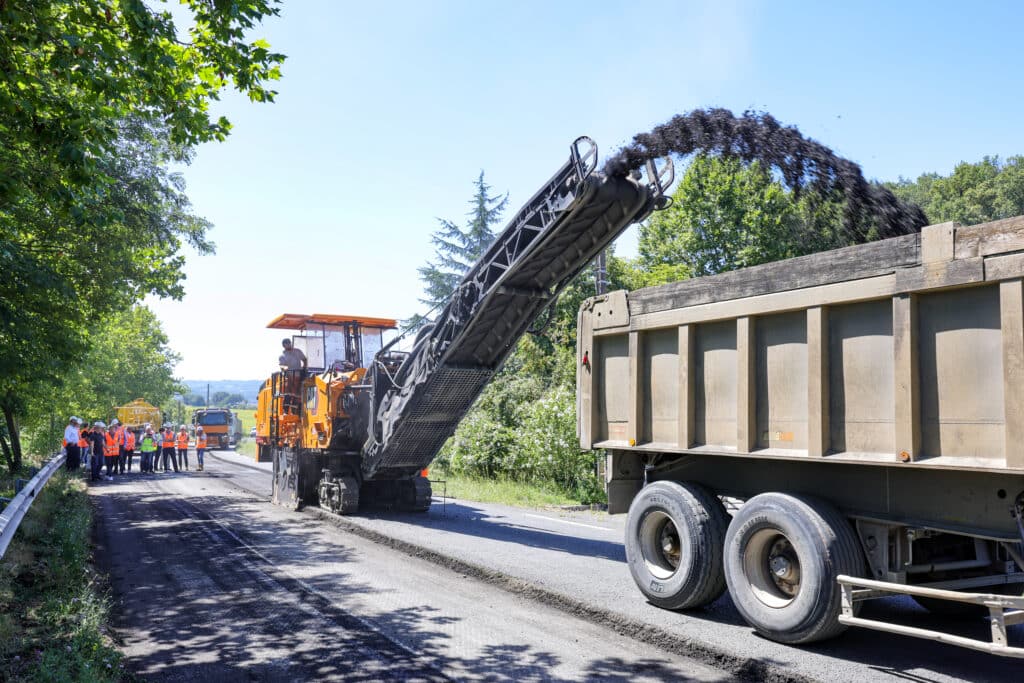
(301, 321)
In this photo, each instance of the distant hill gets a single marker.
(249, 388)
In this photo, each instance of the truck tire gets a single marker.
(783, 553)
(675, 532)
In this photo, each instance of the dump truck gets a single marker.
(221, 426)
(138, 413)
(863, 411)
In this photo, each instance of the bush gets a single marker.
(479, 448)
(547, 448)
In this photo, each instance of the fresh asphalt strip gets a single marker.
(743, 668)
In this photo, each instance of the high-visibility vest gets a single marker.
(83, 440)
(168, 440)
(148, 444)
(129, 439)
(182, 441)
(110, 445)
(200, 441)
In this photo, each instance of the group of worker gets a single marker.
(115, 446)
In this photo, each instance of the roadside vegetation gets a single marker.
(52, 609)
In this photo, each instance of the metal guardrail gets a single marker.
(15, 511)
(1003, 611)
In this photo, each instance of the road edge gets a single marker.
(743, 668)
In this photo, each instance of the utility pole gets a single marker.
(207, 395)
(601, 273)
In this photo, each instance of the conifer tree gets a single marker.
(457, 248)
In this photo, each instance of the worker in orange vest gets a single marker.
(182, 443)
(111, 450)
(83, 443)
(168, 446)
(129, 447)
(200, 447)
(121, 436)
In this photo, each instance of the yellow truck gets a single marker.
(138, 413)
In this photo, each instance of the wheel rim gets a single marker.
(659, 544)
(772, 568)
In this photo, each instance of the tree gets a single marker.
(456, 249)
(128, 358)
(725, 215)
(987, 190)
(96, 98)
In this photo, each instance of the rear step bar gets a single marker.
(856, 590)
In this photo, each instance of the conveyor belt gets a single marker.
(550, 240)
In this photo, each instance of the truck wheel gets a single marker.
(783, 553)
(674, 538)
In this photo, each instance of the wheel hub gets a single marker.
(772, 567)
(660, 544)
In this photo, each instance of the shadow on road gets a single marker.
(464, 518)
(197, 596)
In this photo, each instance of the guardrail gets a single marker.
(12, 515)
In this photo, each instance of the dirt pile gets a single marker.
(802, 164)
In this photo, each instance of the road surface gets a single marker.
(210, 582)
(538, 559)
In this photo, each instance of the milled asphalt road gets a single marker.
(210, 582)
(576, 560)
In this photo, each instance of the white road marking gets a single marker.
(564, 521)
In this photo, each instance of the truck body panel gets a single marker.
(902, 363)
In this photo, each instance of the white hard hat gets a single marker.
(199, 429)
(114, 422)
(99, 423)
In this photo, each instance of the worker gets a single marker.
(119, 434)
(83, 443)
(98, 444)
(71, 437)
(129, 447)
(291, 358)
(170, 458)
(111, 450)
(147, 447)
(200, 447)
(182, 443)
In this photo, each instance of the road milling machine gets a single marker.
(364, 420)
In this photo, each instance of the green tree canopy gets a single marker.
(97, 99)
(978, 192)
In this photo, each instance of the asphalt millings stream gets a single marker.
(802, 164)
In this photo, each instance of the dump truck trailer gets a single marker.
(863, 409)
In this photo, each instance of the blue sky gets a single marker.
(325, 200)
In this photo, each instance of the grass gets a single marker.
(52, 614)
(246, 447)
(248, 418)
(498, 491)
